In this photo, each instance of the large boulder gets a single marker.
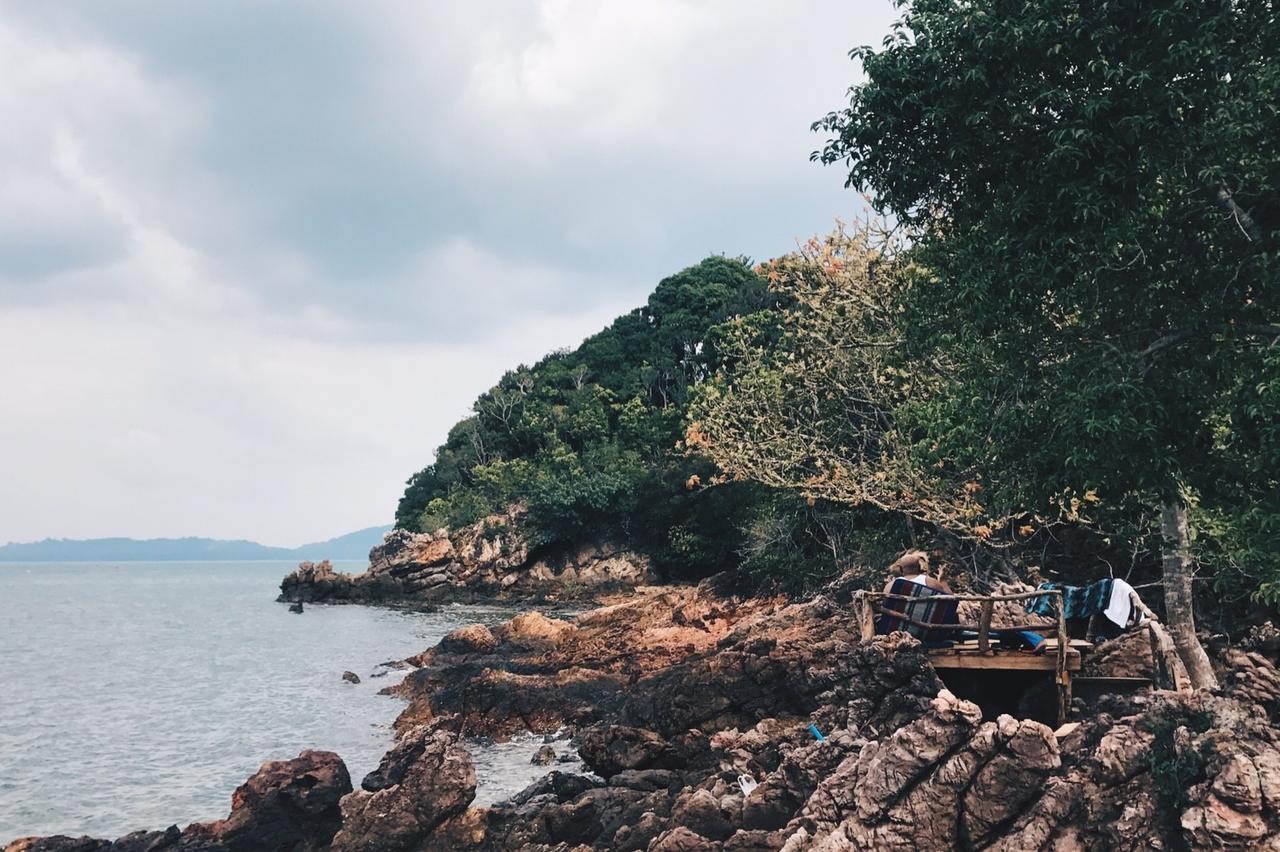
(287, 804)
(315, 582)
(608, 750)
(424, 781)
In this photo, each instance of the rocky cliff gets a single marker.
(489, 560)
(676, 693)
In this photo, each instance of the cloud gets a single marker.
(256, 258)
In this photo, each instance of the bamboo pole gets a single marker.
(944, 596)
(1063, 677)
(900, 616)
(984, 626)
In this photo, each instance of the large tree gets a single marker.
(1093, 185)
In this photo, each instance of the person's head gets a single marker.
(910, 563)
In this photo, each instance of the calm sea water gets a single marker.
(140, 695)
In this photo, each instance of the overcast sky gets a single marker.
(256, 258)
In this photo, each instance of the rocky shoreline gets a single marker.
(487, 561)
(677, 691)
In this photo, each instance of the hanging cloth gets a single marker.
(1120, 609)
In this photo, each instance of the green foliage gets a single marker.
(1092, 193)
(587, 440)
(797, 546)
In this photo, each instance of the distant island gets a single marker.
(353, 545)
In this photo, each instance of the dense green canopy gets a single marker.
(587, 439)
(1094, 189)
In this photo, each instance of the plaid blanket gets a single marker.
(1077, 601)
(941, 615)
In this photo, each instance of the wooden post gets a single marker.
(866, 617)
(1164, 659)
(1063, 676)
(984, 626)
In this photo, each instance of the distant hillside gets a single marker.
(350, 546)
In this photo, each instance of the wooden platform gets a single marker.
(967, 655)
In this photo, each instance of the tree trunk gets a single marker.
(1178, 595)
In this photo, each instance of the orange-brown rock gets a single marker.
(488, 560)
(424, 781)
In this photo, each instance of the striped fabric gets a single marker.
(940, 614)
(1078, 601)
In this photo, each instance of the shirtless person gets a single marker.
(914, 566)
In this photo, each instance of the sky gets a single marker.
(257, 257)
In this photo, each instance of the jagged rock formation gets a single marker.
(426, 779)
(287, 804)
(489, 560)
(678, 692)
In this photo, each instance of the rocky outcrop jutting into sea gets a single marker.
(489, 560)
(678, 692)
(287, 804)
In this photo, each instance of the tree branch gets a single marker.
(1174, 338)
(1228, 203)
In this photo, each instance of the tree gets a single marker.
(809, 396)
(1093, 187)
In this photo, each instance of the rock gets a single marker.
(612, 749)
(1128, 655)
(561, 786)
(351, 677)
(486, 560)
(699, 811)
(1253, 678)
(533, 631)
(681, 839)
(287, 804)
(313, 581)
(472, 639)
(383, 669)
(647, 779)
(544, 756)
(296, 606)
(58, 843)
(424, 781)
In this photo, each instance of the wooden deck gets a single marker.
(967, 655)
(1061, 656)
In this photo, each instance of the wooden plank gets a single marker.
(1115, 681)
(973, 628)
(1017, 596)
(1169, 674)
(1077, 646)
(1019, 661)
(1066, 729)
(867, 618)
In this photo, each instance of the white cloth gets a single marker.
(922, 579)
(1120, 608)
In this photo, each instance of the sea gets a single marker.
(140, 695)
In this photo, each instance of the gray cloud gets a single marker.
(256, 258)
